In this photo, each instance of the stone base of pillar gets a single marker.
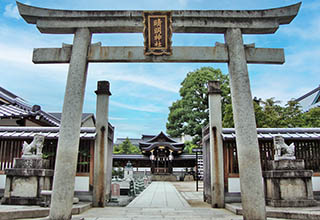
(288, 184)
(26, 180)
(207, 198)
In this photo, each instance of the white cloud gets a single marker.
(309, 31)
(117, 118)
(8, 53)
(118, 75)
(11, 11)
(146, 108)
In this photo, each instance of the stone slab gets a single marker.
(28, 172)
(288, 174)
(22, 201)
(310, 213)
(292, 203)
(217, 54)
(286, 164)
(31, 163)
(24, 187)
(8, 212)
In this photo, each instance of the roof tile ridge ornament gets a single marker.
(163, 134)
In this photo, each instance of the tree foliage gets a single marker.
(126, 147)
(189, 114)
(312, 118)
(270, 114)
(188, 147)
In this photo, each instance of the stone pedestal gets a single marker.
(25, 181)
(128, 171)
(288, 184)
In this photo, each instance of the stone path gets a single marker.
(160, 195)
(160, 200)
(133, 213)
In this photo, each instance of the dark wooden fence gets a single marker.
(309, 150)
(12, 148)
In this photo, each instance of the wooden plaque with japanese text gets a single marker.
(157, 33)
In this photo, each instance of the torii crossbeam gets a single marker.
(231, 23)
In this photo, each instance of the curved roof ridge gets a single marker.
(159, 135)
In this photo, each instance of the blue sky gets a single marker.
(142, 93)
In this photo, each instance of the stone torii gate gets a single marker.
(233, 24)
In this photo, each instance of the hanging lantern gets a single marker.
(170, 156)
(151, 156)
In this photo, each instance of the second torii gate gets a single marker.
(233, 24)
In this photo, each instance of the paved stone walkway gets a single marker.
(133, 213)
(160, 195)
(160, 200)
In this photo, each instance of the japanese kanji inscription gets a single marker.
(157, 33)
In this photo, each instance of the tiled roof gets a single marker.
(16, 107)
(269, 133)
(48, 132)
(308, 94)
(83, 117)
(8, 111)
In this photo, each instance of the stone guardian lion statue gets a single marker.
(282, 150)
(34, 149)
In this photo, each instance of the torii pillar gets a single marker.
(251, 182)
(68, 143)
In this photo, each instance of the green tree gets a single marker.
(292, 115)
(272, 114)
(227, 120)
(189, 114)
(126, 147)
(188, 147)
(117, 149)
(311, 118)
